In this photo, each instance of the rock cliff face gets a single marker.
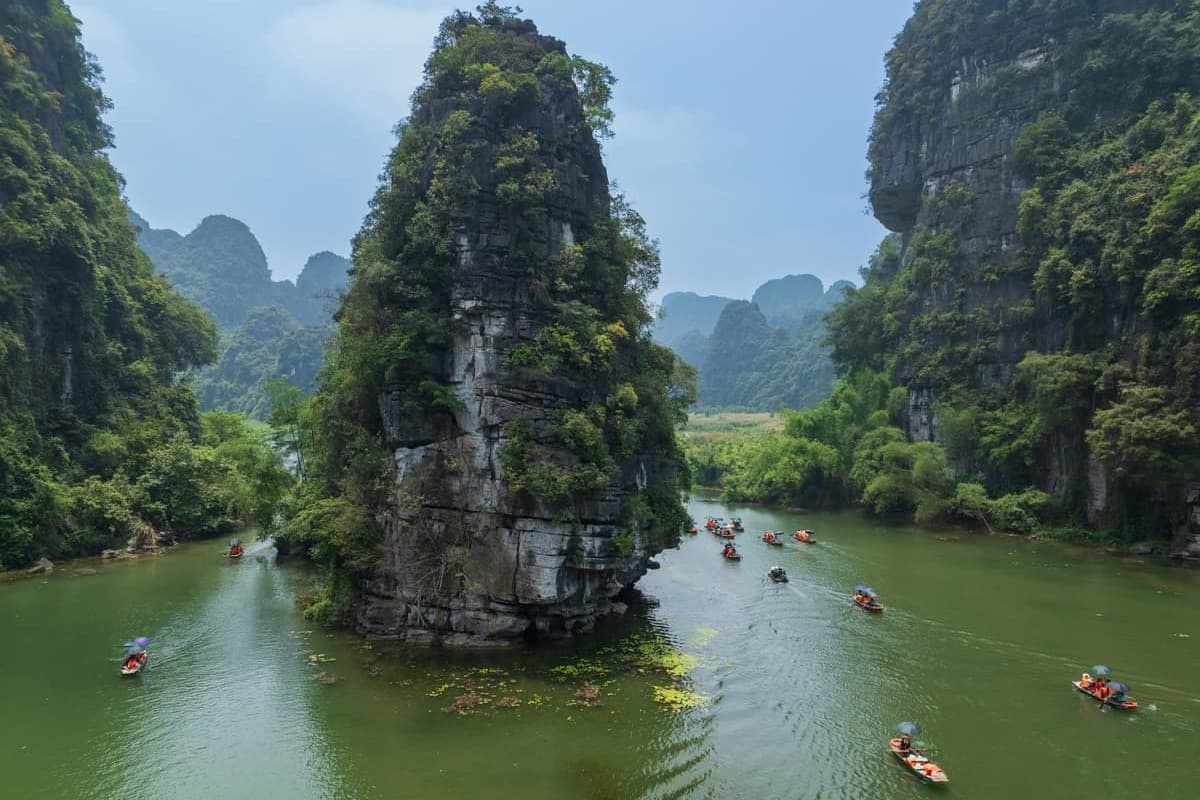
(966, 81)
(516, 508)
(523, 571)
(964, 84)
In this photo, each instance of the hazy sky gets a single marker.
(741, 126)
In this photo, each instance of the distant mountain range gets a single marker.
(269, 329)
(760, 355)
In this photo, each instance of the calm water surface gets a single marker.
(798, 689)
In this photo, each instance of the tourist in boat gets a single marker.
(1085, 681)
(905, 745)
(768, 537)
(729, 550)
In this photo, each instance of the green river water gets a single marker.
(799, 690)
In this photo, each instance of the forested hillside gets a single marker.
(1024, 350)
(98, 440)
(269, 329)
(758, 356)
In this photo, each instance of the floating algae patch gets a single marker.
(615, 676)
(675, 663)
(590, 668)
(480, 690)
(656, 654)
(680, 698)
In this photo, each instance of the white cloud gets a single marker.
(365, 54)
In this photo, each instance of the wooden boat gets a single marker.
(736, 524)
(1128, 704)
(236, 552)
(732, 555)
(725, 533)
(775, 539)
(867, 603)
(808, 537)
(694, 528)
(777, 574)
(918, 765)
(134, 667)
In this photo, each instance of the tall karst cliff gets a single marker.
(90, 337)
(1037, 157)
(270, 329)
(497, 455)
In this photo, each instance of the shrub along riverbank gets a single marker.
(848, 451)
(192, 475)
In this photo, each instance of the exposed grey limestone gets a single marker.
(464, 560)
(42, 566)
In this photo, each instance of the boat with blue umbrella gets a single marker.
(135, 656)
(1095, 684)
(916, 762)
(866, 598)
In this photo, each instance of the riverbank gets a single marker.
(82, 566)
(1187, 552)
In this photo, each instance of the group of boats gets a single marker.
(1095, 684)
(729, 530)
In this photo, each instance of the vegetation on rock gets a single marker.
(1059, 374)
(758, 356)
(270, 329)
(469, 151)
(99, 443)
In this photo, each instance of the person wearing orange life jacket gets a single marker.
(1085, 681)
